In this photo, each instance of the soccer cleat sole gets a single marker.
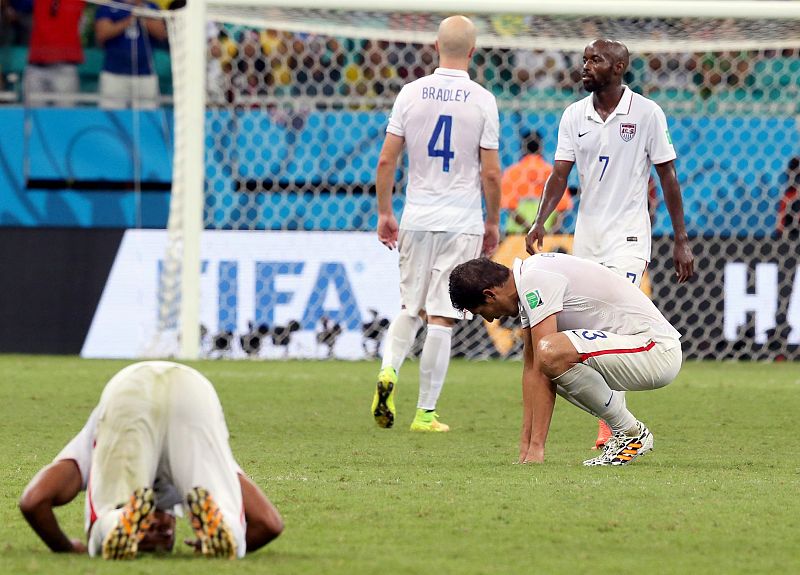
(214, 537)
(122, 542)
(384, 416)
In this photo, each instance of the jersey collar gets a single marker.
(450, 72)
(622, 109)
(516, 268)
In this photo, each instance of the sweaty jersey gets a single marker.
(446, 119)
(614, 160)
(586, 296)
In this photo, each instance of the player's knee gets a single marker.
(554, 358)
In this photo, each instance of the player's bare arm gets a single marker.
(264, 523)
(541, 389)
(388, 228)
(527, 399)
(682, 251)
(554, 189)
(491, 176)
(55, 485)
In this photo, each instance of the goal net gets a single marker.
(296, 104)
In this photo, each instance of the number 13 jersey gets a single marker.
(446, 119)
(614, 160)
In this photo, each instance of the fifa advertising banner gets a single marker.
(263, 294)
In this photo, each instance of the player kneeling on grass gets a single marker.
(156, 440)
(588, 334)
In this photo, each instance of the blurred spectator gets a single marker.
(55, 50)
(789, 206)
(215, 73)
(127, 78)
(418, 60)
(541, 69)
(669, 72)
(522, 187)
(16, 21)
(250, 68)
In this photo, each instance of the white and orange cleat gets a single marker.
(122, 542)
(214, 537)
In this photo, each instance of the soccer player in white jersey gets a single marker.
(614, 136)
(450, 126)
(589, 334)
(157, 440)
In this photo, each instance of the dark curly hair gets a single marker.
(468, 280)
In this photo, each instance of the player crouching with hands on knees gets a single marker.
(588, 334)
(156, 440)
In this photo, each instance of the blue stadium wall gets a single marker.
(731, 169)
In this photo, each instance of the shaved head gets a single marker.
(456, 37)
(614, 50)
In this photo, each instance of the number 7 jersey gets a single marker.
(614, 160)
(446, 119)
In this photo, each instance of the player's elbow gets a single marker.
(386, 162)
(491, 177)
(31, 502)
(263, 529)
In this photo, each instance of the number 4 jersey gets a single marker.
(446, 119)
(586, 296)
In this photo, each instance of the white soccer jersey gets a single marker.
(445, 119)
(614, 160)
(586, 296)
(81, 449)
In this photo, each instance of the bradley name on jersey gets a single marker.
(444, 94)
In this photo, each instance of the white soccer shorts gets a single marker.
(628, 362)
(426, 260)
(161, 420)
(628, 267)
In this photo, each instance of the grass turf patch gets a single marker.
(718, 494)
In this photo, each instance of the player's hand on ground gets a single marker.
(491, 239)
(524, 444)
(78, 546)
(388, 230)
(533, 241)
(683, 259)
(194, 544)
(535, 455)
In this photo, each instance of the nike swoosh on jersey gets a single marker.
(609, 399)
(582, 135)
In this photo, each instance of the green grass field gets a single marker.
(720, 493)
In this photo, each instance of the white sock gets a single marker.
(399, 338)
(589, 391)
(102, 527)
(433, 365)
